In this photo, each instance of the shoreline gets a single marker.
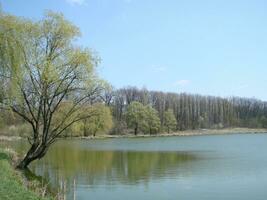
(15, 180)
(199, 132)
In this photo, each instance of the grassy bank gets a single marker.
(12, 185)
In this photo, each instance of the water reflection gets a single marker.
(70, 160)
(158, 168)
(92, 168)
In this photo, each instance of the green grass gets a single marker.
(11, 184)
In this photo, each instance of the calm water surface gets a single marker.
(222, 167)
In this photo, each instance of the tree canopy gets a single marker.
(42, 69)
(170, 120)
(152, 120)
(136, 115)
(144, 118)
(101, 122)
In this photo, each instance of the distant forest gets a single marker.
(190, 111)
(135, 111)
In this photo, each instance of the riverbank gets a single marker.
(199, 132)
(12, 184)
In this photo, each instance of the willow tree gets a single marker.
(100, 123)
(41, 69)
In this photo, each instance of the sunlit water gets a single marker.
(222, 167)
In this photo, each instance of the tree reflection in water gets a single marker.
(92, 168)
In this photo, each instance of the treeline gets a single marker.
(190, 111)
(132, 110)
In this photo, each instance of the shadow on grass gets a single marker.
(42, 182)
(32, 176)
(4, 156)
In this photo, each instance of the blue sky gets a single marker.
(215, 47)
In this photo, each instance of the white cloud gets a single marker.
(182, 83)
(76, 2)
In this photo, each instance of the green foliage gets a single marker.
(144, 118)
(41, 55)
(152, 120)
(169, 120)
(45, 78)
(101, 122)
(136, 116)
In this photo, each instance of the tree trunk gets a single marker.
(24, 163)
(84, 131)
(37, 151)
(135, 130)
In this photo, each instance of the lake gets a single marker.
(221, 167)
